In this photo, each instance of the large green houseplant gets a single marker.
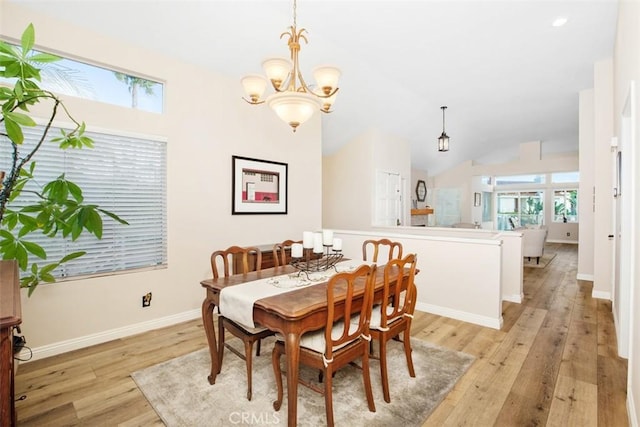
(60, 209)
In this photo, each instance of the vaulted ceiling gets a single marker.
(506, 74)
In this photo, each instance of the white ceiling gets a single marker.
(506, 75)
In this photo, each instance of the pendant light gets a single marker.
(443, 140)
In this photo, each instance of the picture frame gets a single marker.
(258, 186)
(477, 199)
(421, 190)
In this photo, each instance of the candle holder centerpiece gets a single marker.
(318, 252)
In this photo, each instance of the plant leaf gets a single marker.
(71, 256)
(8, 50)
(21, 119)
(14, 131)
(28, 39)
(75, 191)
(113, 216)
(44, 57)
(35, 249)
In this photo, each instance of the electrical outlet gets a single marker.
(146, 300)
(568, 234)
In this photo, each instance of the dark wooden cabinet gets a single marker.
(10, 317)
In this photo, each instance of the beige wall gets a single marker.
(587, 186)
(347, 186)
(205, 123)
(349, 179)
(626, 70)
(602, 220)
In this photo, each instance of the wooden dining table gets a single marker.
(292, 314)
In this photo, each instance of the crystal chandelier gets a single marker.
(293, 101)
(443, 140)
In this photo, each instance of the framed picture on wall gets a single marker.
(258, 186)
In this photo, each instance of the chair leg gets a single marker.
(220, 342)
(275, 361)
(258, 348)
(328, 397)
(407, 352)
(248, 350)
(538, 260)
(367, 381)
(383, 369)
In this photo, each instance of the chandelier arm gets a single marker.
(333, 92)
(252, 102)
(303, 84)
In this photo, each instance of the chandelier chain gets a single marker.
(295, 6)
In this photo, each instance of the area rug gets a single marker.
(544, 261)
(179, 392)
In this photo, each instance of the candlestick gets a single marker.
(307, 239)
(337, 244)
(317, 243)
(296, 250)
(327, 237)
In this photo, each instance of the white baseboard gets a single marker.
(489, 322)
(601, 295)
(101, 337)
(513, 298)
(571, 242)
(587, 277)
(631, 408)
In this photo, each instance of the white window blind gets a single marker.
(121, 174)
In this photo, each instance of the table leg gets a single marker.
(292, 350)
(207, 320)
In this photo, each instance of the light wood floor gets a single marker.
(553, 363)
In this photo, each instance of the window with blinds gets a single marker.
(121, 174)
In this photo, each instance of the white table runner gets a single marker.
(236, 302)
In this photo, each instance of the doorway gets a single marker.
(388, 199)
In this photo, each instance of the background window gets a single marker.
(565, 177)
(75, 78)
(520, 179)
(565, 205)
(520, 207)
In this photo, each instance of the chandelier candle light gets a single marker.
(294, 101)
(318, 251)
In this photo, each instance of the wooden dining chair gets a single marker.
(280, 256)
(394, 249)
(344, 339)
(238, 257)
(390, 319)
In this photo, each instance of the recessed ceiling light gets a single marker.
(559, 21)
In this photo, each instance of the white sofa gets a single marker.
(533, 240)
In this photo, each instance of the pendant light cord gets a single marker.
(443, 108)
